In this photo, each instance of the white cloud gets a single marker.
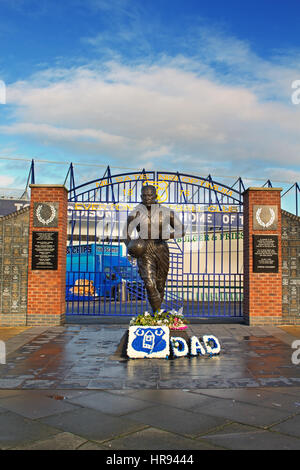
(281, 175)
(6, 180)
(175, 111)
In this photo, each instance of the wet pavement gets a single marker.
(83, 357)
(66, 388)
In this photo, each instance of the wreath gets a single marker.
(267, 224)
(41, 219)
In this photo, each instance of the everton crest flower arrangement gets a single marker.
(148, 342)
(149, 336)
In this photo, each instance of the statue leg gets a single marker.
(154, 297)
(162, 268)
(148, 272)
(161, 288)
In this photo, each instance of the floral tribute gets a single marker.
(149, 337)
(172, 319)
(208, 345)
(148, 342)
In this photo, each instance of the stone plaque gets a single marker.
(45, 214)
(265, 217)
(44, 250)
(265, 253)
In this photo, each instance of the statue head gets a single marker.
(149, 195)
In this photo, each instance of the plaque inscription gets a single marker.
(44, 250)
(265, 253)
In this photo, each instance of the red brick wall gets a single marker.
(46, 288)
(262, 291)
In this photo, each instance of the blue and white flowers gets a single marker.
(156, 342)
(197, 348)
(149, 337)
(148, 342)
(212, 344)
(179, 347)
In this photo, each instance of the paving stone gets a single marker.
(175, 398)
(10, 382)
(69, 357)
(254, 396)
(204, 372)
(231, 428)
(3, 410)
(74, 384)
(274, 382)
(257, 440)
(177, 421)
(92, 446)
(295, 381)
(282, 401)
(34, 405)
(62, 441)
(156, 439)
(39, 384)
(291, 426)
(245, 413)
(140, 384)
(16, 430)
(294, 391)
(100, 384)
(204, 382)
(64, 394)
(9, 393)
(109, 403)
(92, 424)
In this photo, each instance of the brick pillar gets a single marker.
(262, 303)
(47, 273)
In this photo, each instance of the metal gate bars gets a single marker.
(206, 265)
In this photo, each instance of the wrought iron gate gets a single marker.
(206, 265)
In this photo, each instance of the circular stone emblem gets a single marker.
(270, 221)
(45, 213)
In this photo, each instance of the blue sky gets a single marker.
(189, 85)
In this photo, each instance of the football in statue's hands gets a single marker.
(136, 248)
